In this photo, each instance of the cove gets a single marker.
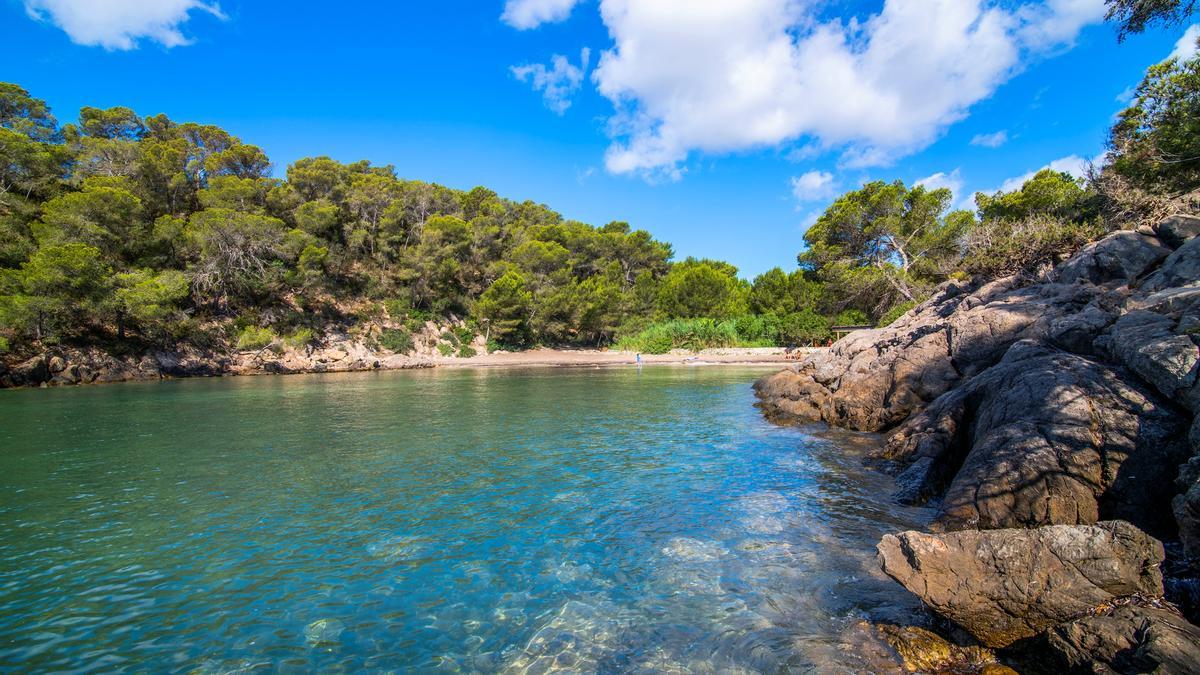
(467, 520)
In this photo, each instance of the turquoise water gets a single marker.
(583, 520)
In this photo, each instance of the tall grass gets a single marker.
(693, 334)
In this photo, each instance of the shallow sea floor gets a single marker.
(607, 520)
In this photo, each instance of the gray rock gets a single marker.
(1176, 230)
(1127, 639)
(1181, 268)
(1121, 256)
(31, 372)
(1078, 332)
(1044, 437)
(1006, 585)
(1146, 343)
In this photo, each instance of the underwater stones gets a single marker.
(1006, 585)
(323, 632)
(924, 651)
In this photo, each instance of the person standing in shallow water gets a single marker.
(639, 359)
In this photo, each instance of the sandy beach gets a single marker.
(596, 357)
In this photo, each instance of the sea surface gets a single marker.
(580, 520)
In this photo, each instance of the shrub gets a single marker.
(445, 349)
(253, 338)
(464, 334)
(693, 334)
(804, 327)
(851, 317)
(396, 308)
(1001, 247)
(398, 340)
(466, 351)
(3, 345)
(895, 313)
(300, 337)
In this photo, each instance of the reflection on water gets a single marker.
(590, 520)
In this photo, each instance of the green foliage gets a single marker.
(805, 327)
(398, 340)
(505, 307)
(895, 313)
(3, 345)
(253, 338)
(466, 351)
(1001, 247)
(301, 337)
(1156, 140)
(703, 288)
(851, 317)
(1135, 15)
(884, 243)
(445, 349)
(1047, 193)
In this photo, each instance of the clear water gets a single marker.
(582, 520)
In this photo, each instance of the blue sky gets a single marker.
(722, 127)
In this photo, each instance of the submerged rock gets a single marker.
(923, 651)
(1006, 585)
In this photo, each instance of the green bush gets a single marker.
(396, 308)
(804, 327)
(999, 248)
(464, 334)
(254, 338)
(398, 340)
(445, 349)
(895, 313)
(3, 345)
(851, 317)
(466, 351)
(300, 337)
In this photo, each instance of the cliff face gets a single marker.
(1034, 410)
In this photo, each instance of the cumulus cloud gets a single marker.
(527, 14)
(992, 140)
(714, 76)
(120, 24)
(812, 186)
(559, 82)
(951, 181)
(1185, 48)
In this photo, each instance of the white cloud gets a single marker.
(120, 24)
(715, 76)
(1185, 48)
(557, 83)
(526, 14)
(951, 181)
(992, 140)
(812, 186)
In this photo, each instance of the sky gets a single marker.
(724, 127)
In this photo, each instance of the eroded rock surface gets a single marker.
(1006, 585)
(1045, 437)
(1127, 639)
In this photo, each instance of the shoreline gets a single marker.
(52, 370)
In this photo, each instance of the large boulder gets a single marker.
(1121, 257)
(1147, 343)
(1044, 437)
(1176, 230)
(1181, 268)
(1007, 585)
(1126, 639)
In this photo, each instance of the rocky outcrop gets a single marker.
(923, 651)
(1047, 422)
(1045, 437)
(873, 380)
(1125, 639)
(1006, 585)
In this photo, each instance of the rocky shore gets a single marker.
(1052, 424)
